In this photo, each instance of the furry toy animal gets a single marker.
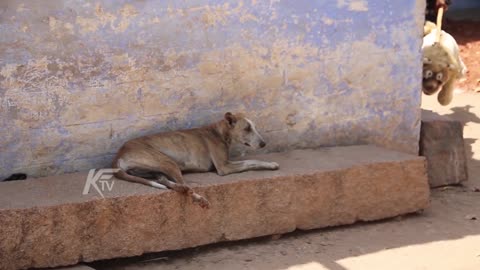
(442, 64)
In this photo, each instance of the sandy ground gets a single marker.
(467, 35)
(442, 237)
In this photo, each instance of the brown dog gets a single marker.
(164, 156)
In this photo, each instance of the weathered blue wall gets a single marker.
(78, 78)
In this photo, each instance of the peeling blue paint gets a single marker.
(310, 73)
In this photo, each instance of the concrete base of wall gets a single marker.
(47, 222)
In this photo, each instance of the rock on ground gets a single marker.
(441, 143)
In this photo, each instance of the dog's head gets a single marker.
(242, 131)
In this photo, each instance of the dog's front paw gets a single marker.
(273, 166)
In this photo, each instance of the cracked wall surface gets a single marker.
(78, 78)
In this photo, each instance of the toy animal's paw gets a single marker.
(445, 96)
(273, 166)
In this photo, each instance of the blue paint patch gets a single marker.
(155, 33)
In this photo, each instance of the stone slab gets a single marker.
(47, 222)
(441, 143)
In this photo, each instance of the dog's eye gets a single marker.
(248, 128)
(439, 76)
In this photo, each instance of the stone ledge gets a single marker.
(47, 222)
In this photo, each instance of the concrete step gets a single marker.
(47, 222)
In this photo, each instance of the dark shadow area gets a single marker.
(464, 115)
(463, 31)
(473, 164)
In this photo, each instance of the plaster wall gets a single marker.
(78, 78)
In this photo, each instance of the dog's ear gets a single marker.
(231, 119)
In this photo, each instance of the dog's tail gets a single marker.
(122, 174)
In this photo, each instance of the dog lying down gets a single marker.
(158, 160)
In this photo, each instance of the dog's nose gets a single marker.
(262, 144)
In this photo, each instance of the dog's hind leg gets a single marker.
(160, 164)
(172, 172)
(184, 188)
(172, 185)
(132, 178)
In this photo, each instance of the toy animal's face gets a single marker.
(433, 78)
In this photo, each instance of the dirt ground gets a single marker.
(467, 35)
(444, 237)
